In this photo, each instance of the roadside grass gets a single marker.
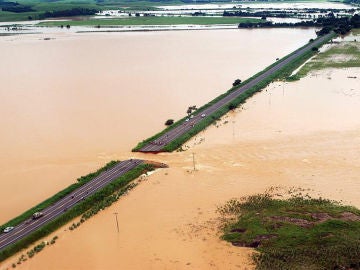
(80, 181)
(154, 20)
(281, 74)
(342, 55)
(98, 199)
(299, 232)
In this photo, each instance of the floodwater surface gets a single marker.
(302, 134)
(74, 102)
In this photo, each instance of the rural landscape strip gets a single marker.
(174, 136)
(154, 21)
(73, 204)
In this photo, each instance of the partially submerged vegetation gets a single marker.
(97, 201)
(340, 55)
(340, 25)
(298, 232)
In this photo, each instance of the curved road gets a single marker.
(53, 211)
(158, 144)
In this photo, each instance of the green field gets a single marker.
(153, 21)
(295, 233)
(43, 6)
(40, 7)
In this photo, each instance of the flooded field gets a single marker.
(74, 102)
(301, 134)
(286, 5)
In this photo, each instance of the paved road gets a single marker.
(57, 209)
(161, 142)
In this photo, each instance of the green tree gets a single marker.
(169, 122)
(236, 82)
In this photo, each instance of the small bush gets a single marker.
(169, 122)
(236, 82)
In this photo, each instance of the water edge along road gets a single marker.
(159, 143)
(57, 209)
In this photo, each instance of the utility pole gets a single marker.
(193, 154)
(270, 99)
(283, 88)
(117, 222)
(233, 129)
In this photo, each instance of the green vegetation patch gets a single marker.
(342, 55)
(299, 232)
(154, 20)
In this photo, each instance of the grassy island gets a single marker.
(299, 232)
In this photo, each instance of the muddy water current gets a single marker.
(74, 102)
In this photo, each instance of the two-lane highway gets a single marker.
(158, 144)
(53, 211)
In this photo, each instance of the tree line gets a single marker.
(68, 13)
(330, 23)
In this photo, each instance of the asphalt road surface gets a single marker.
(50, 213)
(158, 144)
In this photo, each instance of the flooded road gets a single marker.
(292, 135)
(72, 103)
(89, 99)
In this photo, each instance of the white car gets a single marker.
(203, 115)
(187, 120)
(191, 116)
(37, 215)
(8, 229)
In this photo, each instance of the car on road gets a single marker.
(187, 120)
(8, 229)
(191, 116)
(37, 215)
(203, 115)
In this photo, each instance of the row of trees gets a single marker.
(17, 9)
(330, 23)
(14, 7)
(68, 13)
(285, 13)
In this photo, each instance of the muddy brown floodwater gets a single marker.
(303, 134)
(72, 103)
